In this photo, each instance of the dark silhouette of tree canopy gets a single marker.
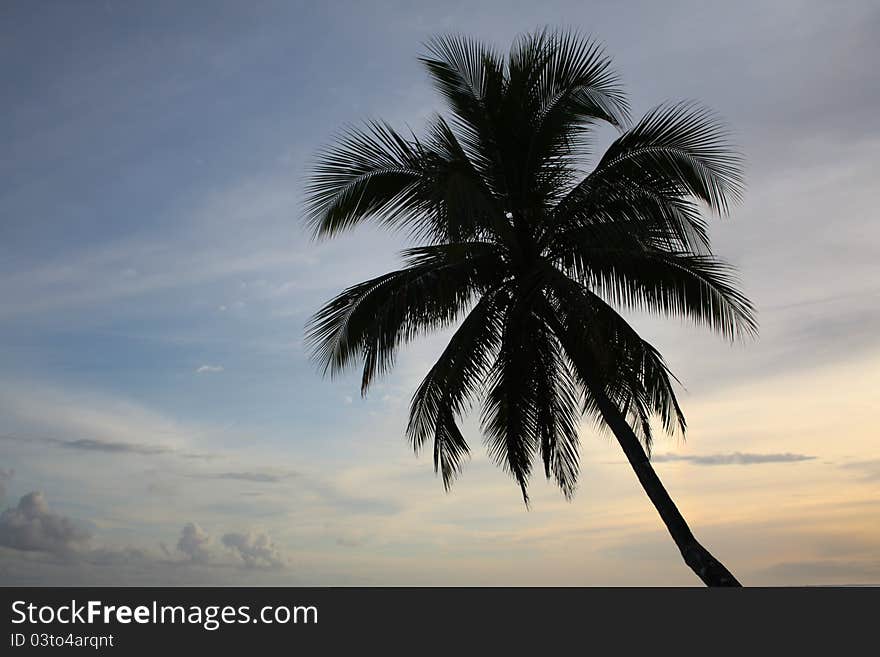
(532, 259)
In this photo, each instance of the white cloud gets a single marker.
(195, 543)
(205, 369)
(5, 476)
(736, 458)
(207, 245)
(81, 420)
(255, 549)
(51, 547)
(31, 526)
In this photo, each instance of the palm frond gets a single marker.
(557, 405)
(509, 419)
(632, 274)
(686, 147)
(605, 350)
(372, 171)
(454, 380)
(577, 89)
(468, 207)
(578, 82)
(372, 319)
(450, 447)
(469, 74)
(647, 207)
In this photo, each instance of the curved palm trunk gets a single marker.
(707, 567)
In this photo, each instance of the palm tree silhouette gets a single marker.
(530, 258)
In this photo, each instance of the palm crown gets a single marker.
(528, 256)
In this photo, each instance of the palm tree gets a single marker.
(531, 259)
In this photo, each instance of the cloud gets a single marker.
(255, 549)
(85, 420)
(31, 526)
(331, 494)
(870, 469)
(94, 445)
(121, 557)
(33, 536)
(195, 543)
(842, 572)
(91, 444)
(254, 477)
(206, 369)
(252, 549)
(5, 476)
(736, 458)
(194, 252)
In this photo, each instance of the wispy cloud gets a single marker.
(736, 458)
(203, 246)
(110, 446)
(88, 421)
(254, 477)
(870, 468)
(206, 369)
(838, 571)
(95, 445)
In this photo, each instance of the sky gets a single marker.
(160, 422)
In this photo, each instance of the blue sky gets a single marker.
(155, 278)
